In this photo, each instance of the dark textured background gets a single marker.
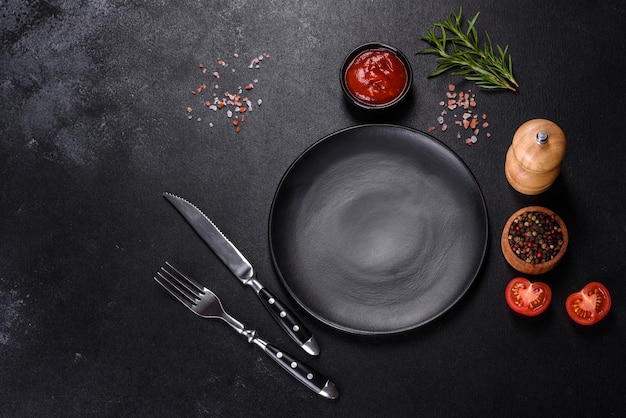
(94, 128)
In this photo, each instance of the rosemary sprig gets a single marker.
(460, 49)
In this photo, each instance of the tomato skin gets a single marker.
(527, 298)
(590, 305)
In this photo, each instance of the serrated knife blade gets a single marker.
(243, 270)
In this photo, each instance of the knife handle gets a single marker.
(289, 322)
(308, 376)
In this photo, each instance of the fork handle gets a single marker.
(289, 322)
(308, 376)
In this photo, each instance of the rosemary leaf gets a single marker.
(459, 50)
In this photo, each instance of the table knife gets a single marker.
(243, 270)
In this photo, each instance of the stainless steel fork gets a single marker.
(205, 303)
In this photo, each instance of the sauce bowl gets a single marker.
(376, 76)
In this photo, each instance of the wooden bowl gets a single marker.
(533, 258)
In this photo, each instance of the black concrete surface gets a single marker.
(94, 127)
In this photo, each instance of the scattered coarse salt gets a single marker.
(468, 121)
(236, 104)
(254, 63)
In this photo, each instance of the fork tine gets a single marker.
(175, 290)
(189, 281)
(177, 279)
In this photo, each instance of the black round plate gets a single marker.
(378, 229)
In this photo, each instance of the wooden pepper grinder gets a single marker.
(533, 161)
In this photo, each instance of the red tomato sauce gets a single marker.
(376, 77)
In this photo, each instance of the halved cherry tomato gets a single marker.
(528, 298)
(589, 305)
